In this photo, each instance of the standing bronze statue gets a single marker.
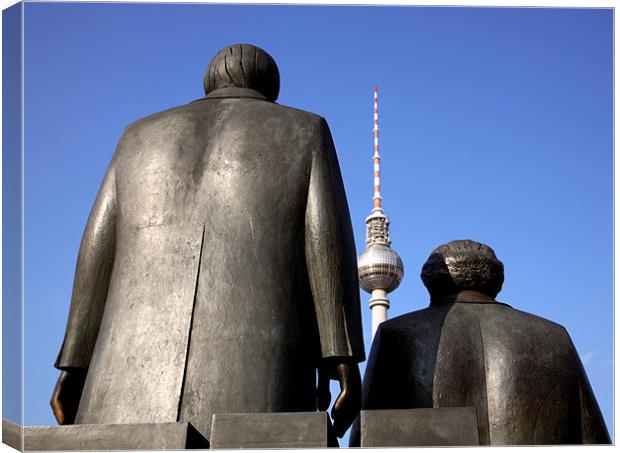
(521, 372)
(217, 270)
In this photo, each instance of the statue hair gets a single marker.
(243, 66)
(462, 265)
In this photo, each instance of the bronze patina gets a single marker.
(521, 372)
(217, 270)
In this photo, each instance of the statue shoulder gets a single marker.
(413, 322)
(159, 118)
(164, 126)
(432, 317)
(298, 115)
(535, 321)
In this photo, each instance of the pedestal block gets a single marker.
(428, 427)
(142, 436)
(271, 430)
(12, 434)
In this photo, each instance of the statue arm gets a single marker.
(92, 276)
(593, 429)
(332, 271)
(90, 286)
(330, 255)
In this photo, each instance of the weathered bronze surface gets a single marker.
(521, 372)
(217, 270)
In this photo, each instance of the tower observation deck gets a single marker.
(380, 269)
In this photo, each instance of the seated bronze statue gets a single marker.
(521, 372)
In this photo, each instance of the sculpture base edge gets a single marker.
(425, 427)
(141, 436)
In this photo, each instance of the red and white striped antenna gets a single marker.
(376, 158)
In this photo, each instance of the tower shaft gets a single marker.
(379, 305)
(377, 228)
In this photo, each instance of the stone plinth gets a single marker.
(429, 427)
(271, 430)
(12, 434)
(142, 436)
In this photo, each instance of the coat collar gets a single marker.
(235, 92)
(468, 297)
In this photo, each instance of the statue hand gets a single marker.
(66, 395)
(349, 400)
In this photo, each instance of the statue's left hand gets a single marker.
(349, 400)
(66, 396)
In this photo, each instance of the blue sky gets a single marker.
(496, 125)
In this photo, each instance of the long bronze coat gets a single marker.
(521, 372)
(217, 266)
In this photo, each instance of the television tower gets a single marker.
(380, 269)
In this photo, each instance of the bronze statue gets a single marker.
(521, 372)
(217, 269)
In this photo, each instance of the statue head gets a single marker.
(243, 66)
(462, 265)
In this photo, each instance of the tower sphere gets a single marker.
(379, 267)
